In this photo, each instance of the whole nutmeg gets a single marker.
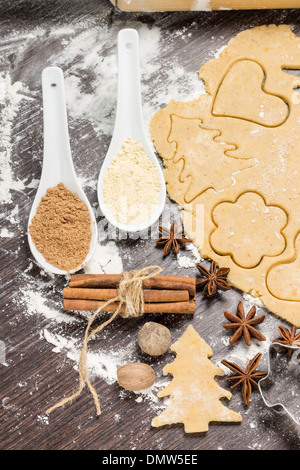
(154, 339)
(135, 376)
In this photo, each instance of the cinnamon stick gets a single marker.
(164, 307)
(112, 281)
(155, 296)
(115, 278)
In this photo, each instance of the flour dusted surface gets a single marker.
(80, 48)
(131, 185)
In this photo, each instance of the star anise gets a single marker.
(172, 239)
(212, 280)
(244, 325)
(288, 338)
(246, 378)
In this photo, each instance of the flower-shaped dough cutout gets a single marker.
(248, 229)
(283, 280)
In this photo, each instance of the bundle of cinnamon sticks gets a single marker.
(162, 294)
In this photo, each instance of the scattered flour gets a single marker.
(6, 403)
(4, 233)
(104, 364)
(101, 364)
(10, 98)
(254, 300)
(190, 257)
(43, 420)
(106, 259)
(241, 354)
(35, 303)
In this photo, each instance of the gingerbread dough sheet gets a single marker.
(235, 152)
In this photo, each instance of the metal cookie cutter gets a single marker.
(281, 386)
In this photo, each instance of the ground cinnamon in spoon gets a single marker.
(61, 229)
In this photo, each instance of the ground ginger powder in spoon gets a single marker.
(60, 229)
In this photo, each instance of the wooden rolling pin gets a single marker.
(203, 5)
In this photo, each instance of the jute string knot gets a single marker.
(130, 298)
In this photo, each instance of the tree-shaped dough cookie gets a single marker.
(194, 393)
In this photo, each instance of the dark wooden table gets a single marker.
(34, 35)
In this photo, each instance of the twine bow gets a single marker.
(130, 295)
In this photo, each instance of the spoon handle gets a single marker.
(129, 119)
(57, 160)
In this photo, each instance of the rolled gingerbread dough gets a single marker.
(235, 151)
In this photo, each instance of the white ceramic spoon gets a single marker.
(57, 160)
(129, 123)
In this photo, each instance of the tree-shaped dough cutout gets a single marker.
(194, 393)
(204, 156)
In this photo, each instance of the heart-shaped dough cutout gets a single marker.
(241, 95)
